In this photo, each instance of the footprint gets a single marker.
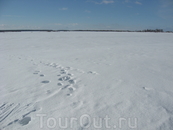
(76, 104)
(25, 121)
(36, 72)
(67, 68)
(92, 72)
(72, 89)
(72, 81)
(66, 86)
(54, 65)
(59, 84)
(45, 81)
(84, 125)
(48, 91)
(69, 94)
(63, 72)
(70, 74)
(65, 78)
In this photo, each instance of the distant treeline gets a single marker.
(25, 30)
(151, 30)
(147, 30)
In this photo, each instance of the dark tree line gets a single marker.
(151, 30)
(146, 30)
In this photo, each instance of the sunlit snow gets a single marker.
(86, 80)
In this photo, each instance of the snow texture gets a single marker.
(90, 76)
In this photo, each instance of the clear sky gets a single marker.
(86, 14)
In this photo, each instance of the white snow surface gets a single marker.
(86, 80)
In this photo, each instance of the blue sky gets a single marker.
(86, 14)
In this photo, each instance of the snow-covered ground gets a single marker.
(88, 80)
